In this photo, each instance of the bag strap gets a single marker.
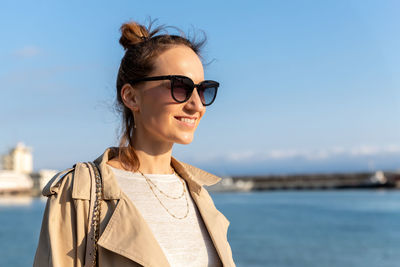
(96, 190)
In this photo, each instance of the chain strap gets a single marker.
(96, 211)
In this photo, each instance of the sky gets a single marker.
(306, 86)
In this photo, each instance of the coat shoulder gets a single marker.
(64, 226)
(68, 179)
(54, 184)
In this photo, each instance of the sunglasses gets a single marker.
(182, 88)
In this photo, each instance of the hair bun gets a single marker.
(132, 33)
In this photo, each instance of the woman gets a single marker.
(154, 210)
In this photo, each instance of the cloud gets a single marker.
(238, 156)
(27, 51)
(312, 155)
(341, 159)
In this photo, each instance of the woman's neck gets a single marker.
(154, 164)
(154, 157)
(160, 164)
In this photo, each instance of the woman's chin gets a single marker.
(185, 140)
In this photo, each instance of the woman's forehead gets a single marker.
(179, 60)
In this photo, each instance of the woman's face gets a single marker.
(158, 116)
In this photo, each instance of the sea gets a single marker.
(332, 228)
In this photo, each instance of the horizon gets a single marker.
(336, 161)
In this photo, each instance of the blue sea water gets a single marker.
(275, 228)
(314, 228)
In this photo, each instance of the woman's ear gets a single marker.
(130, 97)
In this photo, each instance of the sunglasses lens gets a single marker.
(181, 89)
(208, 92)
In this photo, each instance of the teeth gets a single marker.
(191, 121)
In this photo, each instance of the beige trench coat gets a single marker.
(125, 237)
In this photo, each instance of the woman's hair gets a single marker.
(142, 45)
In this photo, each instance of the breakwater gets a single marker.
(377, 179)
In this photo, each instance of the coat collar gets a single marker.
(195, 177)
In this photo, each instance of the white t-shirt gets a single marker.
(185, 242)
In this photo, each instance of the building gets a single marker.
(15, 183)
(19, 159)
(17, 176)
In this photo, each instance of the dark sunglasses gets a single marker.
(182, 88)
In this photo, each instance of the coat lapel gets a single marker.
(215, 221)
(216, 226)
(128, 234)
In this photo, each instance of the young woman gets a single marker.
(154, 210)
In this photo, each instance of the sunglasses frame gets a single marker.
(172, 78)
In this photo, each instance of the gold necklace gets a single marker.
(162, 192)
(150, 183)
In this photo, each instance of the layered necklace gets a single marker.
(153, 186)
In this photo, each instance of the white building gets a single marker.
(18, 176)
(19, 159)
(13, 182)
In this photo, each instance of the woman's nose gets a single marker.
(195, 101)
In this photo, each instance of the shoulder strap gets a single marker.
(96, 191)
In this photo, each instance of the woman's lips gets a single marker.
(187, 121)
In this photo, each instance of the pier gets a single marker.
(378, 179)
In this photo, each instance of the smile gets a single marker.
(186, 121)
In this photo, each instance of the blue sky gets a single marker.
(306, 86)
